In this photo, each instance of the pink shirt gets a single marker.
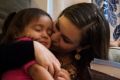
(17, 74)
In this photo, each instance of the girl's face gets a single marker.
(40, 30)
(66, 36)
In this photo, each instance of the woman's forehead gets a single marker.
(68, 29)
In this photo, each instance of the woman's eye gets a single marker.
(65, 40)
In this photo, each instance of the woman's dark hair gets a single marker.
(95, 29)
(19, 21)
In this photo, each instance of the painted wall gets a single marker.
(8, 6)
(39, 4)
(58, 5)
(53, 7)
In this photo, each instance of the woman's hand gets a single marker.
(38, 72)
(62, 75)
(46, 58)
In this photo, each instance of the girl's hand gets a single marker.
(46, 58)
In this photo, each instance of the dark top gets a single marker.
(15, 55)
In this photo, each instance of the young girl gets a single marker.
(27, 25)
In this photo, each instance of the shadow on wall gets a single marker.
(8, 6)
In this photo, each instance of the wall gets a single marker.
(53, 7)
(39, 4)
(58, 5)
(8, 6)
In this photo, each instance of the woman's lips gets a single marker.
(44, 43)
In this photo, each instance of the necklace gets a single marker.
(68, 64)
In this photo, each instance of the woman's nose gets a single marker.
(56, 37)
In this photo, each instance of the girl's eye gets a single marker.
(65, 40)
(38, 28)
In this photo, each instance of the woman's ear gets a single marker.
(78, 50)
(77, 55)
(82, 48)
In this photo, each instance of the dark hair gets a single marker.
(7, 22)
(95, 29)
(19, 21)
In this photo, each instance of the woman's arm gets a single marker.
(46, 58)
(17, 54)
(37, 72)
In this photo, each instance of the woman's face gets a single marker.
(66, 36)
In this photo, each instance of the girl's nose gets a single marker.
(44, 35)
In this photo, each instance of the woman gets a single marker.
(81, 34)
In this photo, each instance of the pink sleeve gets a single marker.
(16, 74)
(28, 65)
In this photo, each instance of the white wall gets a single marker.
(58, 5)
(54, 7)
(39, 4)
